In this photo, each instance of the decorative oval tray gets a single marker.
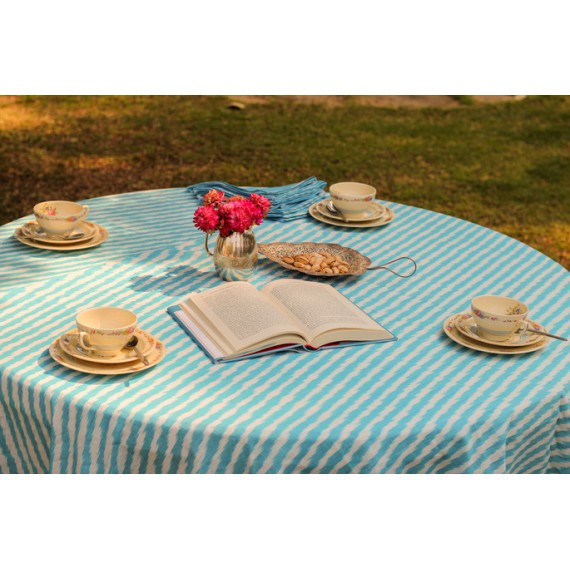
(276, 251)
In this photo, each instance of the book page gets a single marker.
(241, 315)
(319, 308)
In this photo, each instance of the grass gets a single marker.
(464, 99)
(505, 166)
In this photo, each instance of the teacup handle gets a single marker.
(523, 328)
(82, 343)
(85, 210)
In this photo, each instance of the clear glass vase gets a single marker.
(235, 256)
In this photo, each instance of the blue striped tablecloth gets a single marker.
(420, 405)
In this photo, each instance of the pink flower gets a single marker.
(206, 218)
(254, 212)
(261, 202)
(236, 214)
(224, 210)
(225, 229)
(239, 218)
(213, 197)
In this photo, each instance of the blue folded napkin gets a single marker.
(287, 202)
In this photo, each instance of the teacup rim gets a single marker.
(361, 185)
(39, 204)
(494, 314)
(122, 327)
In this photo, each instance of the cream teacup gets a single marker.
(352, 198)
(105, 330)
(58, 217)
(498, 317)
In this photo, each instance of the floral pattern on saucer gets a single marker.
(317, 215)
(69, 342)
(98, 238)
(374, 212)
(467, 326)
(32, 230)
(450, 329)
(157, 353)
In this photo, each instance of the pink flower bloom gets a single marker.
(254, 212)
(261, 202)
(225, 229)
(213, 197)
(206, 218)
(239, 218)
(236, 214)
(224, 210)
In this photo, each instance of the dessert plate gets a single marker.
(315, 212)
(69, 342)
(156, 354)
(33, 230)
(451, 330)
(375, 211)
(98, 238)
(466, 325)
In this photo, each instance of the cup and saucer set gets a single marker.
(352, 205)
(61, 226)
(497, 325)
(107, 340)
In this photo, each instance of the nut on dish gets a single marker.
(321, 262)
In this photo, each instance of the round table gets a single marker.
(422, 404)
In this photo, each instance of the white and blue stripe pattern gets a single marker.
(420, 405)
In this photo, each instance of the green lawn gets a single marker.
(505, 166)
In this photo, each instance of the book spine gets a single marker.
(172, 312)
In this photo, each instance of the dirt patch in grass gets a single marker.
(14, 116)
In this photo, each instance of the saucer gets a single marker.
(156, 354)
(450, 329)
(315, 212)
(98, 238)
(69, 342)
(466, 326)
(33, 230)
(375, 211)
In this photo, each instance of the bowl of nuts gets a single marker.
(320, 259)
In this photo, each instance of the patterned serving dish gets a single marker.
(276, 251)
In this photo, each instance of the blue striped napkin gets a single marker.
(287, 202)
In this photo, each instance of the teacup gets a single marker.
(498, 317)
(105, 330)
(352, 198)
(58, 217)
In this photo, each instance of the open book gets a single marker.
(235, 320)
